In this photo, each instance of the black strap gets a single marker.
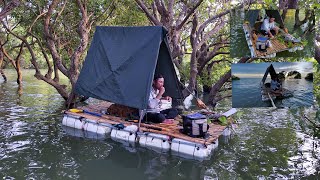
(201, 129)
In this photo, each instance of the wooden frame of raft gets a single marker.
(172, 130)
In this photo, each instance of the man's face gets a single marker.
(158, 83)
(271, 20)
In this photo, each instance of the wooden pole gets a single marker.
(273, 105)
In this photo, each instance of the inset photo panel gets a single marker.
(263, 33)
(276, 84)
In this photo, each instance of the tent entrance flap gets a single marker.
(121, 62)
(166, 69)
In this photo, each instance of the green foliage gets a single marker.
(127, 13)
(209, 78)
(271, 4)
(280, 38)
(304, 42)
(223, 120)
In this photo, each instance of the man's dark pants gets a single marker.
(273, 32)
(160, 117)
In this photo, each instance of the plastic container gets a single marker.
(153, 140)
(123, 135)
(72, 121)
(99, 128)
(190, 148)
(85, 124)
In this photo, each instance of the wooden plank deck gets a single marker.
(276, 47)
(172, 130)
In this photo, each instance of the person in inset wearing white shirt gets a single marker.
(269, 28)
(154, 111)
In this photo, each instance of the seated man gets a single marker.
(154, 111)
(269, 28)
(275, 86)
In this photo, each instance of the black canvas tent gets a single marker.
(252, 16)
(270, 70)
(121, 63)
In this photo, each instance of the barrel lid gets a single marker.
(196, 116)
(261, 38)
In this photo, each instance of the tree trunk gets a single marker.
(8, 8)
(207, 88)
(292, 4)
(1, 70)
(19, 90)
(317, 54)
(3, 75)
(19, 74)
(288, 4)
(193, 62)
(283, 4)
(18, 66)
(193, 76)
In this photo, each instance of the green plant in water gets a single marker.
(223, 120)
(280, 39)
(304, 43)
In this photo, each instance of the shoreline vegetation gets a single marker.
(233, 77)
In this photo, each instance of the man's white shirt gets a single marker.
(154, 104)
(266, 25)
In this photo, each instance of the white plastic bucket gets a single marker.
(153, 140)
(85, 124)
(72, 121)
(190, 148)
(123, 135)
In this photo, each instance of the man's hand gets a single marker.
(162, 90)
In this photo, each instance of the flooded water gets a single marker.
(246, 92)
(239, 46)
(34, 145)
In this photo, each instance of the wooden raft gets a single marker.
(276, 47)
(172, 130)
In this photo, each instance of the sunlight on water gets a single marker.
(307, 160)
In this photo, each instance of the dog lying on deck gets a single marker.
(123, 111)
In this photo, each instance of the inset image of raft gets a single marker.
(275, 33)
(277, 84)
